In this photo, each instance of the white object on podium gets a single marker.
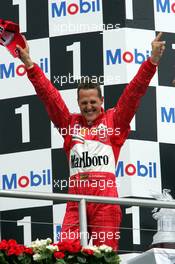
(155, 256)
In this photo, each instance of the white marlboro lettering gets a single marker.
(91, 156)
(87, 161)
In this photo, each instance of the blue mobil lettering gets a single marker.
(62, 8)
(13, 181)
(11, 70)
(139, 169)
(118, 56)
(167, 115)
(165, 6)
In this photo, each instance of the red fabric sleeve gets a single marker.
(50, 96)
(129, 101)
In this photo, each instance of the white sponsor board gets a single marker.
(165, 114)
(13, 77)
(33, 175)
(67, 17)
(164, 15)
(123, 54)
(138, 169)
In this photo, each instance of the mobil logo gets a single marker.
(119, 56)
(11, 70)
(165, 6)
(168, 115)
(63, 8)
(14, 181)
(137, 169)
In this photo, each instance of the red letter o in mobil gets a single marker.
(130, 169)
(128, 56)
(23, 181)
(173, 7)
(73, 9)
(21, 70)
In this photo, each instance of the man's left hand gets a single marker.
(158, 47)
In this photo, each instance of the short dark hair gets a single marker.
(87, 83)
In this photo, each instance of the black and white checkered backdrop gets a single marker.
(104, 39)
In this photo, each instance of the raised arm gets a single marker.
(50, 96)
(129, 101)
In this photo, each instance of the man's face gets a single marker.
(90, 103)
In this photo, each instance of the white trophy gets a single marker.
(165, 222)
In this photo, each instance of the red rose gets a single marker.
(88, 251)
(12, 243)
(19, 250)
(28, 251)
(70, 246)
(59, 255)
(75, 247)
(3, 245)
(61, 246)
(15, 250)
(11, 251)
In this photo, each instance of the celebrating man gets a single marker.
(93, 147)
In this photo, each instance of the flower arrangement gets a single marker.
(45, 252)
(13, 253)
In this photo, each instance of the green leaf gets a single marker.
(70, 256)
(81, 259)
(2, 258)
(112, 259)
(60, 261)
(98, 255)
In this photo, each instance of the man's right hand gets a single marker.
(24, 55)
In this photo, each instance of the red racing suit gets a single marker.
(92, 151)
